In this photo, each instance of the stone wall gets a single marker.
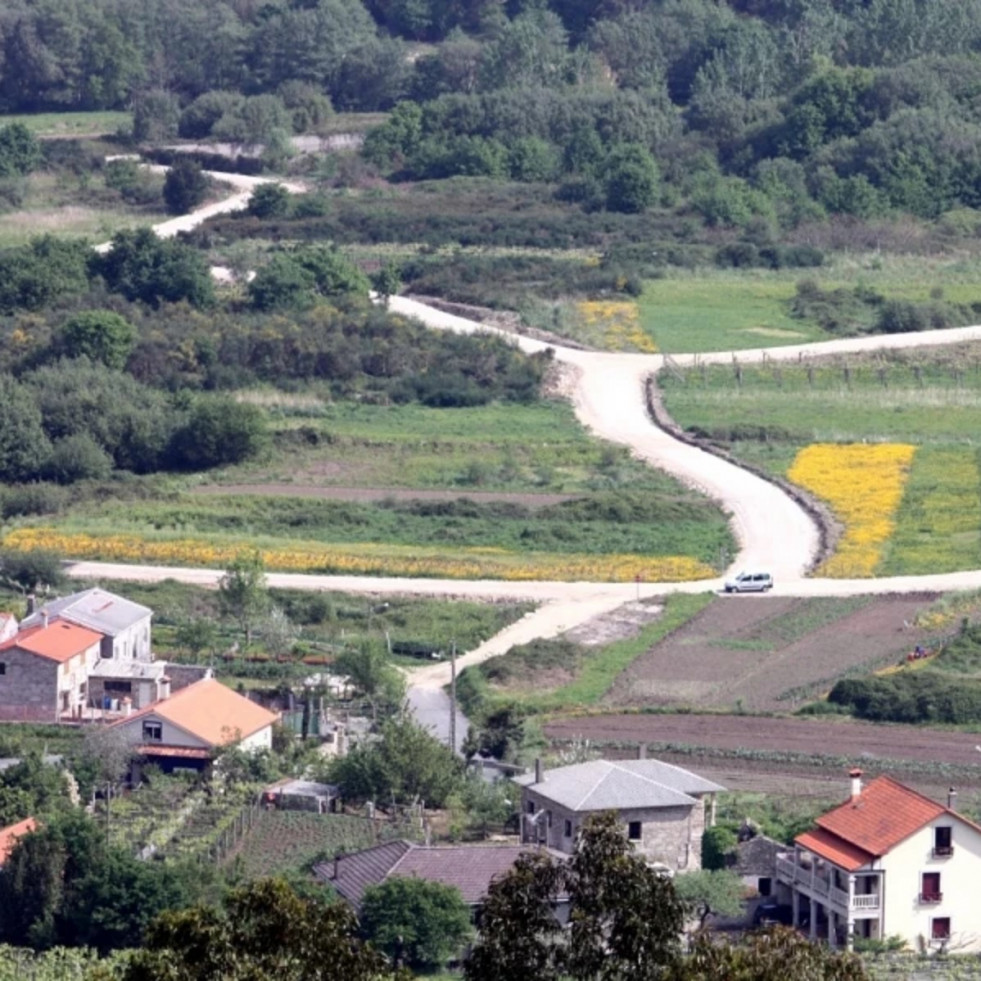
(29, 683)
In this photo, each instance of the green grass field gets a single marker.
(930, 399)
(722, 310)
(53, 124)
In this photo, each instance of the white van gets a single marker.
(750, 582)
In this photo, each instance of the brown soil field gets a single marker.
(382, 494)
(766, 654)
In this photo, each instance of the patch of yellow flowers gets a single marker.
(619, 324)
(863, 484)
(387, 560)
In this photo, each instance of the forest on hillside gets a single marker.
(770, 110)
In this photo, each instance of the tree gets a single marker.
(387, 281)
(631, 179)
(370, 671)
(417, 923)
(218, 431)
(31, 569)
(269, 201)
(264, 931)
(711, 892)
(281, 284)
(718, 842)
(196, 634)
(768, 955)
(185, 186)
(276, 632)
(406, 765)
(519, 934)
(20, 152)
(24, 445)
(242, 592)
(99, 335)
(625, 919)
(156, 115)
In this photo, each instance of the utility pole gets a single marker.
(453, 696)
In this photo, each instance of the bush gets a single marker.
(184, 187)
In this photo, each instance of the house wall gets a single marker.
(131, 644)
(171, 735)
(29, 681)
(671, 836)
(258, 740)
(73, 677)
(960, 874)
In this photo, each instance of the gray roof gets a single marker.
(470, 868)
(94, 608)
(602, 785)
(757, 856)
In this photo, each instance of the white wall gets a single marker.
(960, 876)
(171, 735)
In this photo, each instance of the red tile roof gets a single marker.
(836, 850)
(60, 641)
(9, 836)
(209, 711)
(884, 814)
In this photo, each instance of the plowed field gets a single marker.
(769, 654)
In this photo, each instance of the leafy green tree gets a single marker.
(77, 457)
(417, 923)
(269, 201)
(99, 335)
(264, 931)
(242, 592)
(218, 431)
(387, 281)
(397, 138)
(33, 275)
(631, 179)
(196, 635)
(143, 267)
(185, 186)
(711, 892)
(281, 284)
(768, 955)
(24, 445)
(407, 764)
(718, 843)
(373, 674)
(156, 116)
(30, 570)
(20, 152)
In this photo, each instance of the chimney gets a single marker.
(952, 799)
(44, 619)
(539, 771)
(642, 751)
(856, 775)
(31, 604)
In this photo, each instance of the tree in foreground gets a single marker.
(417, 923)
(625, 919)
(265, 931)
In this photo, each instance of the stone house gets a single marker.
(887, 862)
(662, 807)
(185, 730)
(44, 671)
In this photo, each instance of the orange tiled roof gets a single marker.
(59, 641)
(834, 849)
(884, 814)
(9, 836)
(210, 711)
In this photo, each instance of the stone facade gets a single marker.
(39, 686)
(669, 836)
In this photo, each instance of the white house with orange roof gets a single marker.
(888, 862)
(44, 671)
(184, 730)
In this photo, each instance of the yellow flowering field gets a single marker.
(863, 484)
(617, 323)
(370, 559)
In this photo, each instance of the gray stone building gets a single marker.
(662, 807)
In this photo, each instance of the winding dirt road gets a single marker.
(772, 530)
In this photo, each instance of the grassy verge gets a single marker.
(98, 123)
(588, 673)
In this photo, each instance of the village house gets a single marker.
(10, 835)
(662, 807)
(184, 731)
(887, 862)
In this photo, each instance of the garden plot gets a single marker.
(761, 654)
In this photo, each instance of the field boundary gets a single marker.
(829, 527)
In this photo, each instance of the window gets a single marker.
(940, 928)
(530, 807)
(930, 888)
(118, 687)
(764, 886)
(943, 841)
(633, 831)
(567, 831)
(152, 732)
(3, 667)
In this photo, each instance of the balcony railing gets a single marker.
(931, 898)
(817, 884)
(943, 851)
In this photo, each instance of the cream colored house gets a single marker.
(887, 862)
(662, 807)
(184, 730)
